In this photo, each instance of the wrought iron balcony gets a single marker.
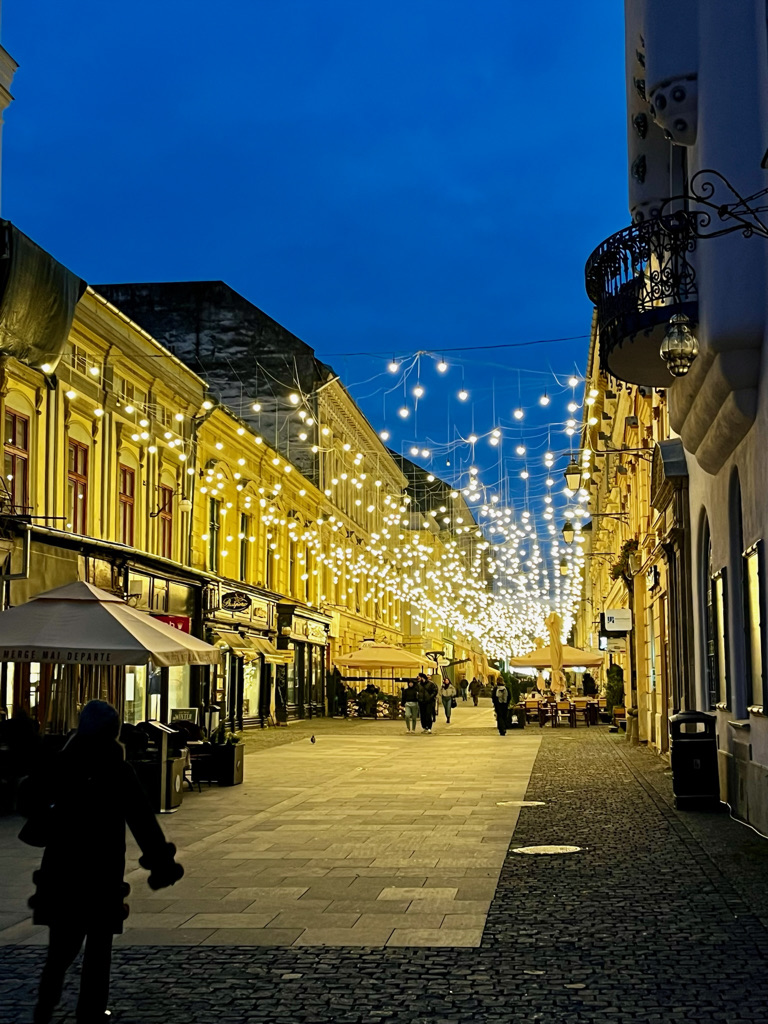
(637, 279)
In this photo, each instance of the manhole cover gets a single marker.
(520, 803)
(545, 850)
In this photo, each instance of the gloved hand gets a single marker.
(164, 870)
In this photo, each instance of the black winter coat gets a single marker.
(93, 795)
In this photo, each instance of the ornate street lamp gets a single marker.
(568, 532)
(680, 345)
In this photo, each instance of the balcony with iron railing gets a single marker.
(638, 279)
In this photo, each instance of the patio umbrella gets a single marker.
(554, 624)
(572, 657)
(373, 656)
(79, 624)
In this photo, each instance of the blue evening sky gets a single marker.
(379, 177)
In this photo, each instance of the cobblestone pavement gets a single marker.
(657, 919)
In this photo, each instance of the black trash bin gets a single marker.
(693, 748)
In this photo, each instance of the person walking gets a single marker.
(500, 698)
(410, 702)
(463, 684)
(80, 891)
(448, 697)
(475, 689)
(427, 692)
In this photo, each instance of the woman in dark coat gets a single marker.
(80, 893)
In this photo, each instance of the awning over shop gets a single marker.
(79, 624)
(271, 654)
(236, 643)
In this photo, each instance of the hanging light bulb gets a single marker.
(384, 435)
(463, 395)
(442, 366)
(393, 366)
(403, 412)
(472, 438)
(418, 391)
(520, 449)
(518, 414)
(573, 381)
(414, 450)
(544, 400)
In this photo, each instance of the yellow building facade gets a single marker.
(122, 470)
(637, 547)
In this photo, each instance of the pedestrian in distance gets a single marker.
(448, 697)
(475, 689)
(464, 685)
(500, 698)
(410, 701)
(92, 795)
(427, 691)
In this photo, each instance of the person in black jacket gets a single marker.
(80, 891)
(410, 701)
(427, 691)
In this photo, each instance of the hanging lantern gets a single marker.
(572, 475)
(568, 532)
(680, 345)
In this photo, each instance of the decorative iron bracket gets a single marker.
(713, 207)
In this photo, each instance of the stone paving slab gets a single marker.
(651, 923)
(274, 861)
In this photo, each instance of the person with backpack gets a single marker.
(427, 692)
(500, 698)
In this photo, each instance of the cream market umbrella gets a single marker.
(79, 624)
(572, 658)
(554, 624)
(374, 656)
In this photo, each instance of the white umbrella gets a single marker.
(79, 624)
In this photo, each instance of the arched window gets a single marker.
(709, 617)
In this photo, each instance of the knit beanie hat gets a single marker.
(99, 720)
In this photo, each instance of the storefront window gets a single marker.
(178, 687)
(290, 684)
(135, 693)
(251, 688)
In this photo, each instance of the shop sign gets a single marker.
(235, 601)
(180, 622)
(616, 645)
(618, 620)
(652, 577)
(56, 654)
